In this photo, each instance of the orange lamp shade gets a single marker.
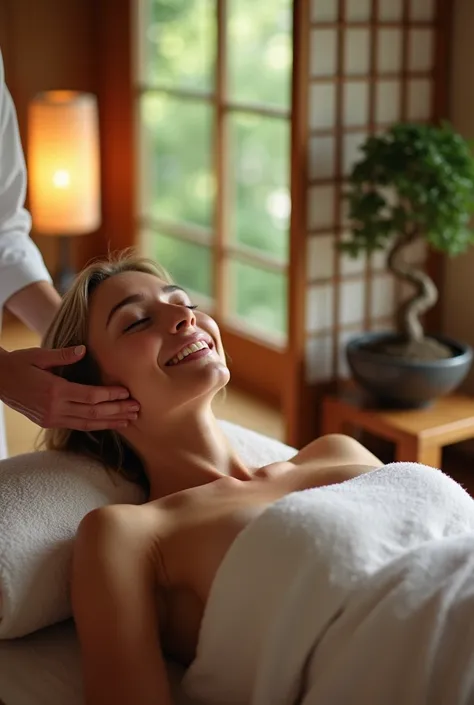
(63, 163)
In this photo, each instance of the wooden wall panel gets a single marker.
(54, 44)
(114, 26)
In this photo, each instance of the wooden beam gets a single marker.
(294, 403)
(117, 122)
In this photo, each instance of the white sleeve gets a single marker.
(21, 262)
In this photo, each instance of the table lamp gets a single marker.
(64, 170)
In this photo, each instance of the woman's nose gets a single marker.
(182, 318)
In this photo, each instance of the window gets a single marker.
(213, 107)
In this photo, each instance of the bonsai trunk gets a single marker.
(415, 344)
(426, 293)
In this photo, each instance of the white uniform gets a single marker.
(20, 260)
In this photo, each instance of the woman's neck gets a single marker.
(192, 450)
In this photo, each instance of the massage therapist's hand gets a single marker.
(27, 386)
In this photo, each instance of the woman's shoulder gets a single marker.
(123, 530)
(125, 519)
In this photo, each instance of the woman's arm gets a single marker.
(114, 590)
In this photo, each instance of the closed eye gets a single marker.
(185, 304)
(146, 319)
(133, 325)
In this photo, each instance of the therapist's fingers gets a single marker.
(81, 424)
(90, 417)
(103, 410)
(83, 407)
(46, 358)
(53, 402)
(91, 395)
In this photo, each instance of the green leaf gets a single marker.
(429, 170)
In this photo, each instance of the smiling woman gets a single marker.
(139, 328)
(147, 570)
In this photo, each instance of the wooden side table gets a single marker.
(419, 435)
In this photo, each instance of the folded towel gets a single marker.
(359, 592)
(43, 497)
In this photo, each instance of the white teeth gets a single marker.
(194, 347)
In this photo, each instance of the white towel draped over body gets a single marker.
(361, 592)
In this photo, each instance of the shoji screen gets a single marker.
(371, 63)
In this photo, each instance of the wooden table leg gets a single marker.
(430, 455)
(412, 450)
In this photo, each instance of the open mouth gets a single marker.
(190, 352)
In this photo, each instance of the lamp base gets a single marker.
(65, 274)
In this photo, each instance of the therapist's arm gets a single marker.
(36, 305)
(25, 284)
(26, 289)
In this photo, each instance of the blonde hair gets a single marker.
(70, 328)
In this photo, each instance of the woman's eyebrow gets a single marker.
(169, 288)
(135, 298)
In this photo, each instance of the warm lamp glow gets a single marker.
(63, 163)
(61, 178)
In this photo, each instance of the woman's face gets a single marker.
(146, 336)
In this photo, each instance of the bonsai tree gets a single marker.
(414, 181)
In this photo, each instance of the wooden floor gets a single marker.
(236, 406)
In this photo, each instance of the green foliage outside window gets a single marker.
(180, 44)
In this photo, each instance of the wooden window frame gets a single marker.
(257, 364)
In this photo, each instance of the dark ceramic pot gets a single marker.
(402, 383)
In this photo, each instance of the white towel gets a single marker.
(361, 592)
(43, 497)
